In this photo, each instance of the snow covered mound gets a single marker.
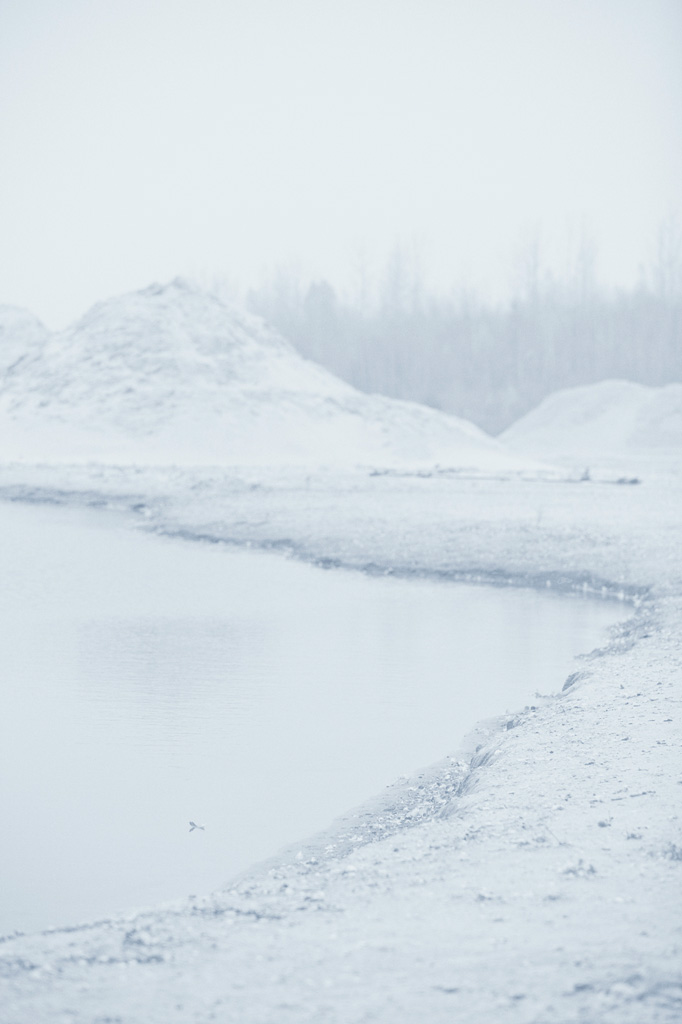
(615, 419)
(172, 375)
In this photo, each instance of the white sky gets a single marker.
(142, 139)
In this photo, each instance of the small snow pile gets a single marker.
(172, 375)
(614, 420)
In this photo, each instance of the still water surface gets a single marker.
(148, 681)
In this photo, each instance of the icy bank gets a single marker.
(538, 881)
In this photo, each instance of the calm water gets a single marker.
(146, 682)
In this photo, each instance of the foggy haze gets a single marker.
(143, 140)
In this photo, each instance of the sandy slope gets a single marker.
(539, 882)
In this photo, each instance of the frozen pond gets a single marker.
(146, 682)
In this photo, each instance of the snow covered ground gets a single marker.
(534, 880)
(532, 877)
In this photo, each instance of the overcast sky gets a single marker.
(142, 139)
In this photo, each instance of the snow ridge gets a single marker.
(21, 335)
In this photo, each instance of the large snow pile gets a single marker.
(615, 419)
(171, 374)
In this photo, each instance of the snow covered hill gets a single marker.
(172, 375)
(614, 420)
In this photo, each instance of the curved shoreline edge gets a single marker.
(544, 888)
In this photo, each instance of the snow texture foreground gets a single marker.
(535, 880)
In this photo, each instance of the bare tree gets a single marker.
(485, 362)
(668, 263)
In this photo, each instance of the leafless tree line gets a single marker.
(489, 363)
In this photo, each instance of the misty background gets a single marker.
(466, 204)
(488, 362)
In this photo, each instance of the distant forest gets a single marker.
(488, 363)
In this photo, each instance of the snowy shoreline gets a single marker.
(516, 893)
